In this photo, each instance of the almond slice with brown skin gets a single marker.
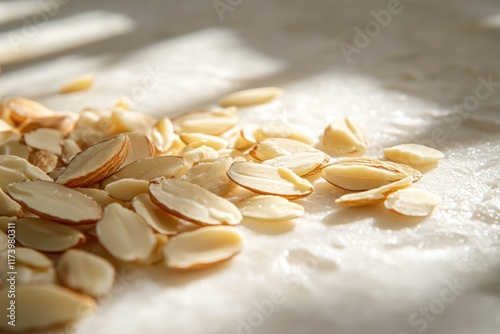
(42, 306)
(140, 148)
(95, 163)
(193, 203)
(203, 247)
(149, 168)
(20, 109)
(54, 201)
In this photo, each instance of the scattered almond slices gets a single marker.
(159, 220)
(32, 258)
(54, 201)
(95, 163)
(15, 169)
(250, 97)
(284, 130)
(127, 189)
(301, 163)
(413, 154)
(276, 147)
(64, 122)
(373, 196)
(245, 137)
(9, 207)
(100, 196)
(203, 247)
(20, 109)
(44, 139)
(162, 135)
(214, 142)
(212, 175)
(211, 122)
(193, 203)
(124, 234)
(359, 174)
(412, 202)
(46, 236)
(345, 136)
(33, 313)
(149, 168)
(31, 267)
(198, 152)
(270, 208)
(84, 82)
(140, 148)
(269, 180)
(45, 160)
(86, 272)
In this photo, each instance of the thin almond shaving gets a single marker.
(211, 122)
(159, 220)
(45, 139)
(269, 208)
(250, 97)
(127, 189)
(14, 169)
(302, 163)
(79, 84)
(412, 202)
(413, 154)
(45, 160)
(290, 131)
(212, 175)
(140, 148)
(214, 142)
(345, 137)
(20, 109)
(276, 147)
(9, 207)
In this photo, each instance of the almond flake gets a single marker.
(193, 203)
(100, 196)
(32, 258)
(157, 252)
(269, 180)
(140, 148)
(246, 137)
(78, 84)
(124, 234)
(413, 154)
(127, 189)
(95, 163)
(373, 196)
(302, 163)
(9, 207)
(412, 202)
(345, 137)
(163, 135)
(276, 147)
(86, 272)
(203, 247)
(31, 267)
(47, 236)
(14, 169)
(14, 147)
(149, 168)
(250, 97)
(159, 220)
(69, 149)
(42, 306)
(64, 122)
(268, 207)
(212, 175)
(214, 142)
(45, 139)
(6, 132)
(211, 122)
(358, 174)
(290, 131)
(121, 121)
(20, 109)
(197, 152)
(45, 160)
(54, 201)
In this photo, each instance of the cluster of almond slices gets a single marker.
(163, 191)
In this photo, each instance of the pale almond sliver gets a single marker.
(276, 147)
(250, 97)
(269, 208)
(158, 219)
(127, 189)
(413, 154)
(301, 163)
(211, 122)
(45, 139)
(412, 202)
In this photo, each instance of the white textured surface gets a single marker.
(361, 270)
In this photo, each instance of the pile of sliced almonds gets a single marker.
(166, 191)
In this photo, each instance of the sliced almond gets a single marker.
(86, 272)
(45, 139)
(193, 203)
(290, 131)
(269, 180)
(9, 207)
(32, 258)
(374, 196)
(121, 121)
(157, 252)
(162, 135)
(54, 201)
(412, 202)
(31, 267)
(20, 109)
(100, 196)
(124, 234)
(212, 122)
(250, 97)
(6, 132)
(358, 174)
(95, 163)
(214, 142)
(127, 189)
(302, 163)
(78, 84)
(47, 236)
(245, 137)
(413, 154)
(149, 168)
(159, 220)
(140, 148)
(14, 147)
(197, 152)
(276, 147)
(64, 122)
(55, 172)
(14, 169)
(45, 160)
(345, 136)
(212, 175)
(270, 208)
(203, 247)
(42, 306)
(69, 149)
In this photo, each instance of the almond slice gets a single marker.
(197, 152)
(193, 203)
(54, 201)
(212, 175)
(14, 147)
(45, 160)
(268, 207)
(149, 168)
(203, 247)
(250, 97)
(32, 258)
(95, 163)
(15, 169)
(86, 272)
(413, 154)
(47, 236)
(9, 207)
(121, 121)
(140, 148)
(214, 142)
(100, 196)
(276, 147)
(78, 84)
(42, 306)
(127, 189)
(363, 173)
(286, 130)
(124, 234)
(373, 196)
(159, 220)
(157, 252)
(412, 202)
(269, 180)
(211, 122)
(162, 135)
(20, 109)
(6, 132)
(44, 139)
(31, 267)
(64, 122)
(345, 137)
(69, 149)
(301, 163)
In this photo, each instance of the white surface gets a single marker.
(362, 270)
